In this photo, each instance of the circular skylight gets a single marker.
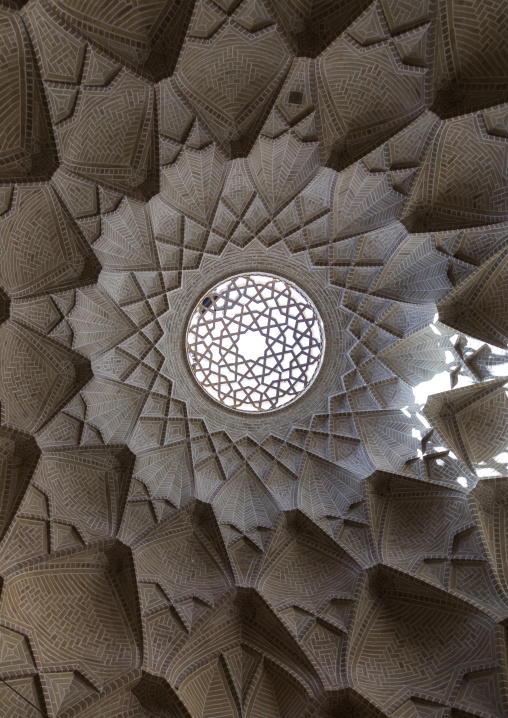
(255, 342)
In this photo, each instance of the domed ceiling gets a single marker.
(162, 554)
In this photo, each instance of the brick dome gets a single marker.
(164, 555)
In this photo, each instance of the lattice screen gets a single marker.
(255, 342)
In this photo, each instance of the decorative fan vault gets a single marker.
(341, 549)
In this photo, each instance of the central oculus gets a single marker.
(255, 342)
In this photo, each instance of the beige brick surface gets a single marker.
(162, 555)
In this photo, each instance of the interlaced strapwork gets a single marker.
(255, 342)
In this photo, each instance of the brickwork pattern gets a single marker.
(164, 555)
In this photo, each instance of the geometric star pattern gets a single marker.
(162, 554)
(254, 343)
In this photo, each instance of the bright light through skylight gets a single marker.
(255, 342)
(251, 345)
